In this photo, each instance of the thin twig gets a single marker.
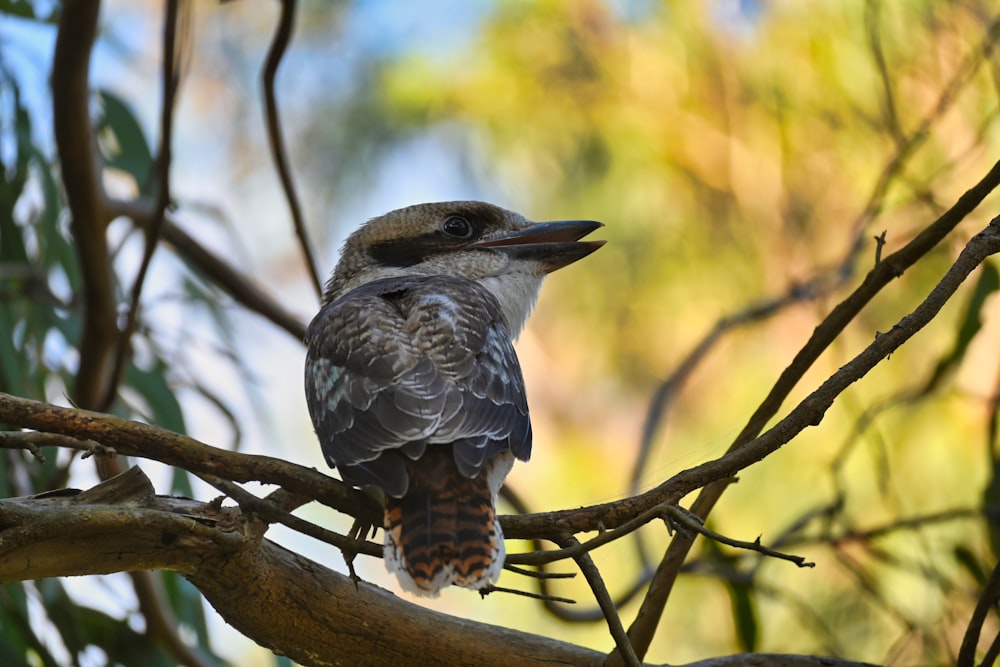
(282, 36)
(604, 601)
(131, 438)
(879, 245)
(272, 513)
(488, 590)
(810, 411)
(537, 574)
(170, 82)
(32, 441)
(17, 440)
(217, 270)
(689, 521)
(872, 8)
(989, 597)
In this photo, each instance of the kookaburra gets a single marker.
(412, 381)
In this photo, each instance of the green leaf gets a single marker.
(188, 605)
(81, 626)
(739, 586)
(14, 174)
(969, 563)
(991, 502)
(972, 322)
(741, 600)
(128, 151)
(18, 640)
(20, 8)
(122, 645)
(153, 387)
(25, 10)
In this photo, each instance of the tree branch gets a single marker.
(223, 274)
(326, 619)
(120, 525)
(81, 174)
(148, 441)
(132, 438)
(825, 333)
(282, 36)
(689, 521)
(604, 601)
(170, 82)
(987, 600)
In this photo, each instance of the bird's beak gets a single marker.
(552, 245)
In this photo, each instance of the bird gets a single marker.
(412, 382)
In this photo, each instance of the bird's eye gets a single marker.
(457, 227)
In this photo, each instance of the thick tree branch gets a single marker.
(146, 441)
(687, 520)
(121, 525)
(326, 619)
(118, 526)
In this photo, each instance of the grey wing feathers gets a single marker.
(404, 363)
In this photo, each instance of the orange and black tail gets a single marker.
(444, 531)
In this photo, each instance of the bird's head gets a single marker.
(502, 250)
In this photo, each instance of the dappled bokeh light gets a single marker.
(751, 160)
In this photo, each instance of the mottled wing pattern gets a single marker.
(413, 385)
(403, 364)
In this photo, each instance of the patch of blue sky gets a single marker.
(26, 57)
(437, 29)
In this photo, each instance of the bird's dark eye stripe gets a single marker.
(457, 227)
(454, 231)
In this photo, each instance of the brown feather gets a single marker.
(444, 530)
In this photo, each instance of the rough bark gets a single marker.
(284, 601)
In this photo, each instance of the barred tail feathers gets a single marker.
(444, 530)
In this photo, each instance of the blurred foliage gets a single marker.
(734, 150)
(40, 312)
